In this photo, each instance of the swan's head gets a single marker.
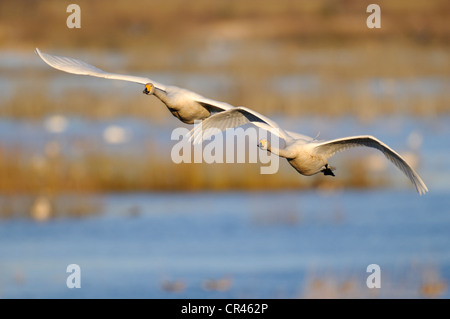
(263, 144)
(149, 89)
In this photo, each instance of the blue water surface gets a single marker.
(268, 244)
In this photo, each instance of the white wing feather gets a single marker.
(232, 118)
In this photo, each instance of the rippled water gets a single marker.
(267, 245)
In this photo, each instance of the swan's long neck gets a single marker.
(162, 95)
(282, 152)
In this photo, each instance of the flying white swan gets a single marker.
(183, 104)
(307, 155)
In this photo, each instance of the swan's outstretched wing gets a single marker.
(329, 148)
(232, 118)
(75, 66)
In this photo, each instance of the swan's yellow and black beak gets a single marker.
(263, 144)
(149, 89)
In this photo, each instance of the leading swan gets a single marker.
(185, 105)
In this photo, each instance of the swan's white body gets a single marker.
(307, 155)
(183, 104)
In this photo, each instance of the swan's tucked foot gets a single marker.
(263, 144)
(149, 89)
(328, 170)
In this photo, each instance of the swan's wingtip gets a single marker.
(38, 52)
(422, 190)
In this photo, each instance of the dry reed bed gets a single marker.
(56, 185)
(414, 281)
(101, 171)
(176, 23)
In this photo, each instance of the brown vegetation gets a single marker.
(97, 171)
